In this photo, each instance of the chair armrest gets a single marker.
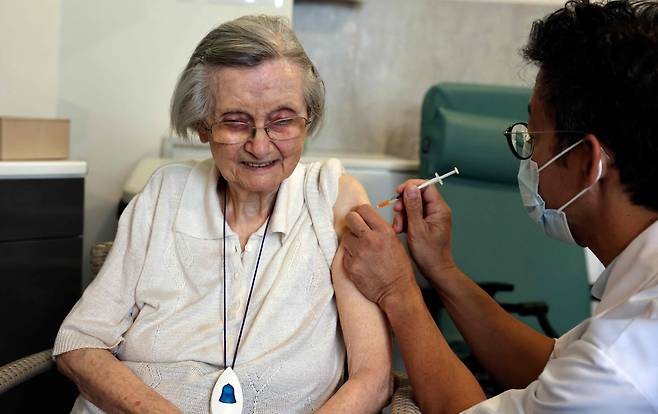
(402, 401)
(21, 370)
(97, 256)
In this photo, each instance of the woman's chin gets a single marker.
(262, 185)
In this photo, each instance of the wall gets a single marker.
(111, 67)
(119, 61)
(380, 57)
(29, 41)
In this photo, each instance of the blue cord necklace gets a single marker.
(227, 397)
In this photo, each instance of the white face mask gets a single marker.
(553, 222)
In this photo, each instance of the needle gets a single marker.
(436, 179)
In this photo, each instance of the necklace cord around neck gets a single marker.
(224, 265)
(253, 280)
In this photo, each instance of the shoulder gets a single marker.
(351, 193)
(340, 190)
(156, 182)
(322, 177)
(320, 183)
(173, 177)
(179, 170)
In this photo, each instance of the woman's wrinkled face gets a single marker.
(259, 95)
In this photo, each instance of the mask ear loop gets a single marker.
(598, 176)
(549, 162)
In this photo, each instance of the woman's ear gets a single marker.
(594, 165)
(203, 131)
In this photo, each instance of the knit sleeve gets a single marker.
(320, 193)
(107, 307)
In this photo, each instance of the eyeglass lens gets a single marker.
(521, 140)
(280, 130)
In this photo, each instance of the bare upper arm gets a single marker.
(350, 194)
(364, 326)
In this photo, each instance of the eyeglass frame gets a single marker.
(508, 135)
(254, 129)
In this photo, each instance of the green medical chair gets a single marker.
(494, 240)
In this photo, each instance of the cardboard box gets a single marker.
(34, 139)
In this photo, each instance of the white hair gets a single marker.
(245, 42)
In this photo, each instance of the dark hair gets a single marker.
(599, 75)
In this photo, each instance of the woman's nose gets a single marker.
(260, 143)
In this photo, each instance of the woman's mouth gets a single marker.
(259, 165)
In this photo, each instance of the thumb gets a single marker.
(413, 207)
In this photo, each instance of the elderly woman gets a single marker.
(225, 285)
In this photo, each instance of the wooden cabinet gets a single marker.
(41, 222)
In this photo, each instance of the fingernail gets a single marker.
(412, 192)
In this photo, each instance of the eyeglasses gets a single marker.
(521, 142)
(239, 132)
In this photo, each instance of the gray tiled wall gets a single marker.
(380, 57)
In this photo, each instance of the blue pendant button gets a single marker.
(228, 395)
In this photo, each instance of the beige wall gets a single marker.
(119, 61)
(29, 43)
(110, 67)
(380, 57)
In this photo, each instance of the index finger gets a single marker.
(412, 181)
(432, 199)
(356, 224)
(371, 217)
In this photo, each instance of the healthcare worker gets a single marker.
(588, 175)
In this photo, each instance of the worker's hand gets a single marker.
(374, 258)
(427, 220)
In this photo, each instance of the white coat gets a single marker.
(607, 364)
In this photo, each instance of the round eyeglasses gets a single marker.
(239, 132)
(521, 141)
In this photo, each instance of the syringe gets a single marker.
(437, 179)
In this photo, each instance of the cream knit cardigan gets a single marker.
(157, 302)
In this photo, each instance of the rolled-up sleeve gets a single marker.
(107, 308)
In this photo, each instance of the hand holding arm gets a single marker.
(375, 259)
(377, 263)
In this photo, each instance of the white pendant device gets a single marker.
(226, 394)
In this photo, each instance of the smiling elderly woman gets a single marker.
(225, 285)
